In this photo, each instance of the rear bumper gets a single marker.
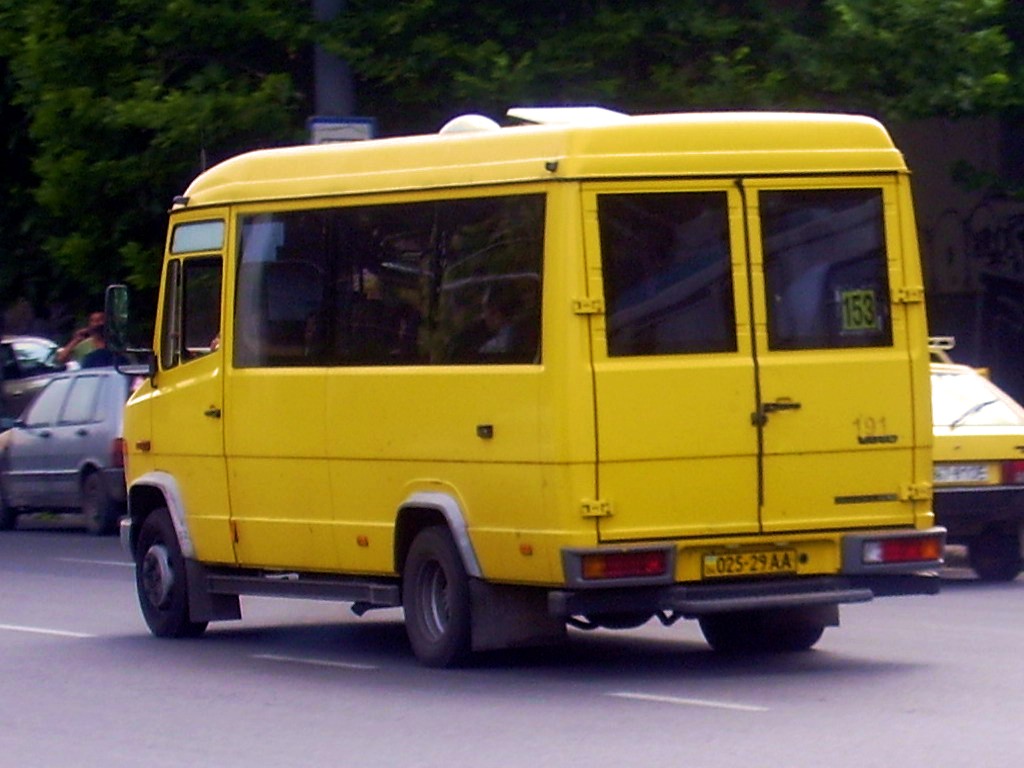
(699, 599)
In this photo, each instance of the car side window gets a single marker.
(80, 405)
(44, 411)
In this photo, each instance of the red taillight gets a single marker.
(904, 550)
(622, 565)
(117, 450)
(1013, 473)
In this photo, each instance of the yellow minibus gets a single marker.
(585, 370)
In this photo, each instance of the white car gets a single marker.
(979, 467)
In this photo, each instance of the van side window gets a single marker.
(825, 268)
(667, 273)
(438, 282)
(191, 319)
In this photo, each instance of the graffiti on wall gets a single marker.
(961, 248)
(974, 267)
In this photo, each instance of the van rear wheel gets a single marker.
(435, 597)
(160, 579)
(780, 630)
(995, 555)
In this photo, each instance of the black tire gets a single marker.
(771, 631)
(8, 516)
(435, 597)
(995, 555)
(160, 579)
(98, 509)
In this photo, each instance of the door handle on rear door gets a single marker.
(760, 417)
(780, 405)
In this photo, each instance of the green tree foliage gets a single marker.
(916, 58)
(896, 58)
(127, 100)
(110, 107)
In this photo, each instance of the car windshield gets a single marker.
(35, 356)
(969, 399)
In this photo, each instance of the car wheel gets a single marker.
(160, 579)
(99, 511)
(435, 596)
(8, 516)
(769, 631)
(995, 555)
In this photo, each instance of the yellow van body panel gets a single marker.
(656, 146)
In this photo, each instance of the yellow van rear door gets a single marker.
(836, 409)
(752, 372)
(673, 363)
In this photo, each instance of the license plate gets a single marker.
(749, 563)
(960, 473)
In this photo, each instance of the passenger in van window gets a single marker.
(500, 307)
(314, 336)
(512, 328)
(374, 322)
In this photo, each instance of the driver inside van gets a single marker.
(500, 309)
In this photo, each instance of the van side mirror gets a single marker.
(116, 310)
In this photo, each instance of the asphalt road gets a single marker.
(922, 681)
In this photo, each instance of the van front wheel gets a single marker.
(160, 579)
(435, 597)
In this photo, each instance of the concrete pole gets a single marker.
(332, 78)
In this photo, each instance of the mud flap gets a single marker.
(511, 617)
(204, 605)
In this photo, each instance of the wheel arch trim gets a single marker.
(448, 507)
(165, 485)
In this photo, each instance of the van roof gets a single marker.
(606, 145)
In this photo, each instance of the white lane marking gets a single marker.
(120, 563)
(43, 631)
(688, 702)
(312, 662)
